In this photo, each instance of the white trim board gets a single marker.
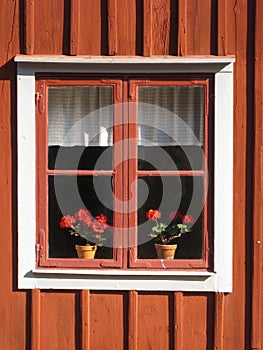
(219, 280)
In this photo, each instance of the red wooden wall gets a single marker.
(129, 320)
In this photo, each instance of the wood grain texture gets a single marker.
(182, 28)
(49, 27)
(29, 26)
(195, 322)
(235, 303)
(222, 27)
(13, 303)
(57, 321)
(178, 320)
(231, 40)
(74, 26)
(133, 320)
(198, 27)
(112, 27)
(126, 27)
(85, 319)
(219, 321)
(35, 319)
(160, 27)
(153, 321)
(108, 327)
(90, 27)
(147, 28)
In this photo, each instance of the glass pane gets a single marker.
(179, 202)
(80, 127)
(69, 194)
(171, 127)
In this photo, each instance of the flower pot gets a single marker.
(86, 251)
(165, 251)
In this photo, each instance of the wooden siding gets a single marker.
(134, 320)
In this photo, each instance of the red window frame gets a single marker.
(43, 172)
(134, 174)
(125, 89)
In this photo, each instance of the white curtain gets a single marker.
(171, 115)
(167, 115)
(77, 117)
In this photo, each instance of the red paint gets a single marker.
(69, 319)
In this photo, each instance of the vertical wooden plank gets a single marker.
(29, 26)
(160, 27)
(90, 14)
(49, 27)
(112, 27)
(35, 319)
(153, 321)
(219, 321)
(195, 321)
(57, 320)
(182, 27)
(107, 322)
(13, 303)
(133, 320)
(178, 320)
(74, 26)
(222, 27)
(198, 27)
(256, 297)
(229, 22)
(234, 303)
(126, 27)
(147, 28)
(85, 319)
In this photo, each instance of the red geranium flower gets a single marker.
(67, 221)
(98, 227)
(101, 218)
(87, 221)
(153, 215)
(83, 224)
(174, 215)
(82, 215)
(187, 219)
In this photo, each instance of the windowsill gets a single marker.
(193, 281)
(129, 272)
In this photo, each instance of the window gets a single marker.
(120, 137)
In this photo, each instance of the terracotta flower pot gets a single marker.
(86, 251)
(165, 251)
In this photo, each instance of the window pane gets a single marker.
(174, 197)
(170, 127)
(80, 121)
(68, 194)
(170, 158)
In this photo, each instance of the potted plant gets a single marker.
(92, 230)
(165, 234)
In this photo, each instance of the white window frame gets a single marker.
(218, 280)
